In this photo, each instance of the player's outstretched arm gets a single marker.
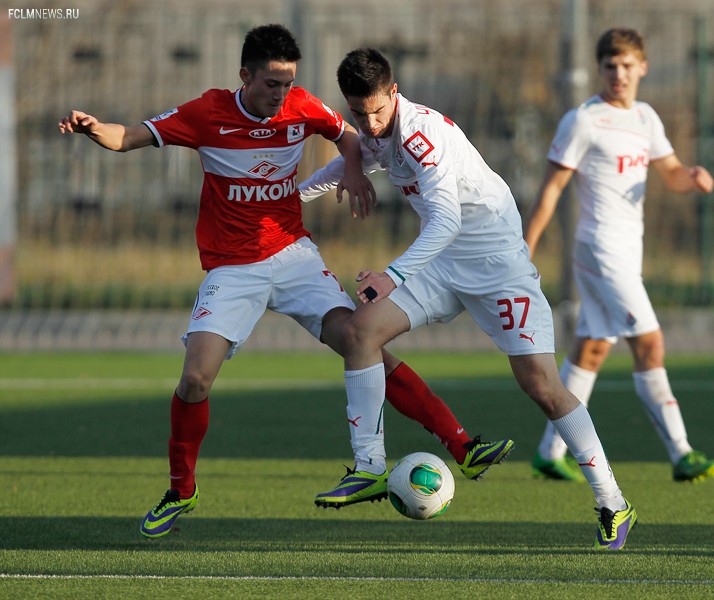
(681, 178)
(111, 136)
(554, 181)
(359, 188)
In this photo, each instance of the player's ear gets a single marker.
(644, 67)
(394, 90)
(245, 75)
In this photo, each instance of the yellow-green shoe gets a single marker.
(354, 487)
(482, 455)
(560, 469)
(693, 467)
(613, 527)
(159, 521)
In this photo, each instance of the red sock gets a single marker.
(411, 396)
(189, 423)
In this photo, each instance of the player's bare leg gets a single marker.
(590, 354)
(578, 373)
(205, 353)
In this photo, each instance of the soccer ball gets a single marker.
(420, 486)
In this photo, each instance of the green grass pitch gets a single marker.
(83, 442)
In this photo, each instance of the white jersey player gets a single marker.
(608, 143)
(470, 255)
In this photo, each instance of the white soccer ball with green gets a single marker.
(420, 486)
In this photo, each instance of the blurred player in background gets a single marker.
(608, 143)
(470, 255)
(256, 251)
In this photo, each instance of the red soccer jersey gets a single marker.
(250, 205)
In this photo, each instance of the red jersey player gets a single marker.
(255, 249)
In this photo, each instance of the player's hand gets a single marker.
(373, 286)
(360, 192)
(78, 122)
(702, 179)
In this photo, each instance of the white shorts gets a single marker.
(293, 282)
(501, 293)
(613, 299)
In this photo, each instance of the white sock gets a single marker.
(663, 409)
(578, 431)
(579, 382)
(365, 413)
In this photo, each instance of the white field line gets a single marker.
(549, 581)
(130, 383)
(234, 383)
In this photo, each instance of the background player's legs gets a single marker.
(653, 389)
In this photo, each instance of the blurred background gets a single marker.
(97, 248)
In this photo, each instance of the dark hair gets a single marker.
(619, 40)
(268, 42)
(364, 72)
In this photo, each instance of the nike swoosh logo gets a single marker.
(224, 131)
(459, 431)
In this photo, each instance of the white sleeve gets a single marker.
(661, 145)
(571, 141)
(325, 179)
(438, 188)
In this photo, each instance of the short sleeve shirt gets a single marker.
(250, 205)
(610, 149)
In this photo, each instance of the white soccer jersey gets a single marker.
(610, 149)
(467, 210)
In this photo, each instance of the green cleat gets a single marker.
(613, 527)
(159, 521)
(693, 467)
(482, 455)
(354, 487)
(561, 469)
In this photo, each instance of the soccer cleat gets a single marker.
(562, 469)
(613, 527)
(159, 521)
(355, 486)
(482, 455)
(694, 466)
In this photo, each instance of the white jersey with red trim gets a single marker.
(610, 149)
(250, 206)
(466, 209)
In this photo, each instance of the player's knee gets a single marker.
(354, 335)
(648, 351)
(194, 386)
